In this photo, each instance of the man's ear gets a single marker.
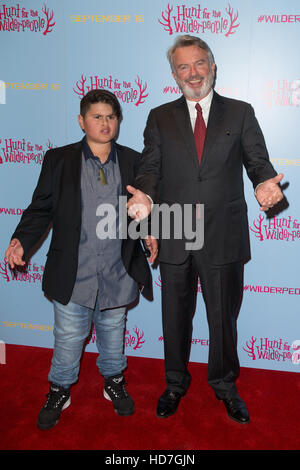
(213, 68)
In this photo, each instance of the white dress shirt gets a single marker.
(205, 104)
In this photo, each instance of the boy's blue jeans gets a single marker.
(72, 325)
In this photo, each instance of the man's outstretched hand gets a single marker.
(139, 205)
(269, 193)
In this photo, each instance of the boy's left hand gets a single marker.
(152, 246)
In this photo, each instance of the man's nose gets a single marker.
(193, 69)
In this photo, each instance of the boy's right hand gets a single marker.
(14, 253)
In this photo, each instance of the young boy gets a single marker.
(91, 279)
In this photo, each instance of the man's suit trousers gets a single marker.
(222, 288)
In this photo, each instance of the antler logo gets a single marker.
(15, 18)
(271, 350)
(31, 274)
(4, 271)
(124, 91)
(23, 151)
(257, 227)
(250, 348)
(183, 19)
(134, 341)
(49, 17)
(284, 228)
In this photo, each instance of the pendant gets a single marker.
(102, 176)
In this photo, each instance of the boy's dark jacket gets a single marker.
(57, 201)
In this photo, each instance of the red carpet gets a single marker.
(201, 423)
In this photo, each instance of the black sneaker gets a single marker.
(58, 399)
(115, 391)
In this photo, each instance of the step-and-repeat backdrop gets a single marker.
(54, 51)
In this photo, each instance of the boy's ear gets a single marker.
(81, 122)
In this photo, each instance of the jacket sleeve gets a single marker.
(255, 154)
(149, 170)
(37, 217)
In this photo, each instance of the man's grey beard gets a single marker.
(193, 94)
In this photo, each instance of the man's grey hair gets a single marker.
(185, 41)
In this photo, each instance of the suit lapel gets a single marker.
(182, 118)
(75, 155)
(72, 178)
(183, 121)
(213, 126)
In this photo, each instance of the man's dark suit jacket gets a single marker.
(170, 173)
(57, 200)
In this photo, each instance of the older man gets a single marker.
(195, 150)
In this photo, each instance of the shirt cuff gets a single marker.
(150, 201)
(255, 190)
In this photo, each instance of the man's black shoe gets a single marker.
(236, 409)
(168, 404)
